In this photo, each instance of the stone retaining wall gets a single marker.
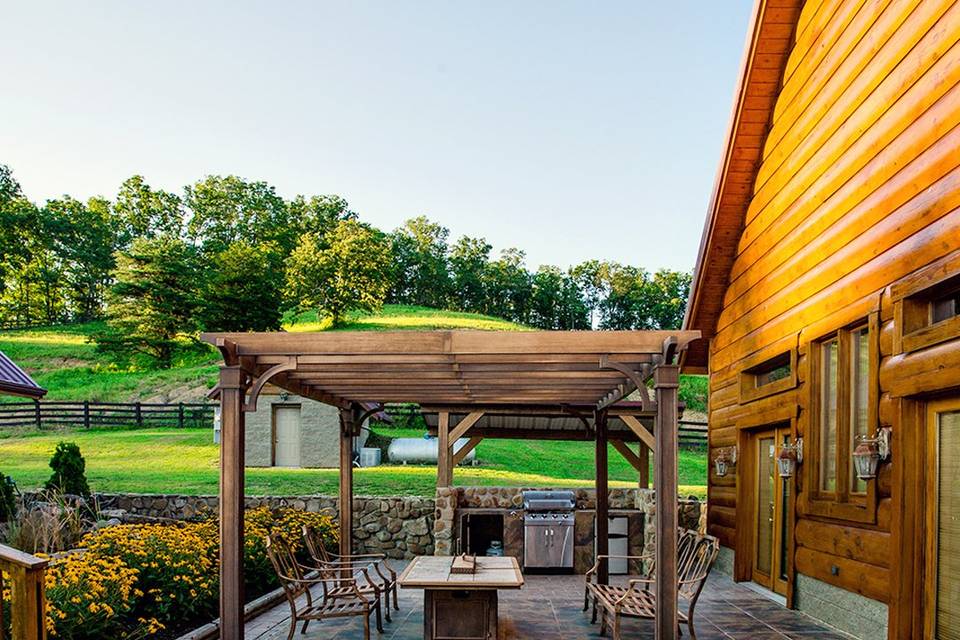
(402, 527)
(399, 527)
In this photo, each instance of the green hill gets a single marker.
(64, 360)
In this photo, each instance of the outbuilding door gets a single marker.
(286, 435)
(942, 588)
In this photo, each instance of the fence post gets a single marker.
(180, 415)
(36, 408)
(86, 414)
(139, 414)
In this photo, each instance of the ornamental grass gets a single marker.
(138, 580)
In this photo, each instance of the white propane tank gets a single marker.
(422, 450)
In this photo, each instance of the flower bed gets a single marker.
(137, 580)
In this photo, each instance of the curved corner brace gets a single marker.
(358, 423)
(637, 378)
(669, 349)
(262, 379)
(565, 408)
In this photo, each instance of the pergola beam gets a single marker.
(465, 450)
(639, 461)
(464, 425)
(642, 433)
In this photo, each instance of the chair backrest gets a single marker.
(284, 562)
(315, 547)
(693, 571)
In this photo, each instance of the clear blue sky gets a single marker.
(572, 130)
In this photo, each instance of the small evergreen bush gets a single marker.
(8, 501)
(68, 471)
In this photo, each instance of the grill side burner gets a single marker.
(548, 529)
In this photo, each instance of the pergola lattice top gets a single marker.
(452, 368)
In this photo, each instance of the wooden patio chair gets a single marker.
(386, 577)
(342, 596)
(685, 540)
(696, 555)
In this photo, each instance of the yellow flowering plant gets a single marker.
(91, 596)
(176, 566)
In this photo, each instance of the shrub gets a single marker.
(8, 501)
(68, 470)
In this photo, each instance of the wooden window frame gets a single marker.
(763, 361)
(913, 299)
(841, 504)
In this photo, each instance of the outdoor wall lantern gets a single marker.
(789, 456)
(723, 460)
(869, 453)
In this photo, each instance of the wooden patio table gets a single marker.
(460, 606)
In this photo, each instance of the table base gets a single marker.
(460, 615)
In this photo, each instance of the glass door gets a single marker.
(771, 524)
(943, 521)
(765, 511)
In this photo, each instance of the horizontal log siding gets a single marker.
(859, 186)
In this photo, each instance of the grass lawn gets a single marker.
(185, 461)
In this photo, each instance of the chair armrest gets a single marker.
(351, 556)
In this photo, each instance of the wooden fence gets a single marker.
(692, 434)
(42, 415)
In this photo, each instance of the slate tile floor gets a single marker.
(549, 608)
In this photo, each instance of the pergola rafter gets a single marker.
(473, 377)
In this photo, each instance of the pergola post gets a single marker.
(644, 454)
(602, 491)
(232, 390)
(444, 461)
(347, 431)
(665, 381)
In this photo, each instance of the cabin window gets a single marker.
(770, 376)
(844, 407)
(828, 415)
(930, 316)
(945, 307)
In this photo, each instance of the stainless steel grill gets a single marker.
(548, 529)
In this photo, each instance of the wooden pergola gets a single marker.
(467, 375)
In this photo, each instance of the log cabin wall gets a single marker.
(855, 196)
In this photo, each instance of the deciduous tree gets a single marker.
(352, 272)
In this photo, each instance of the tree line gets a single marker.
(228, 254)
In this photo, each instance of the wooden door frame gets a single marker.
(785, 418)
(273, 427)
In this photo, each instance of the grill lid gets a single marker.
(559, 500)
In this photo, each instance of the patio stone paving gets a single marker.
(549, 608)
